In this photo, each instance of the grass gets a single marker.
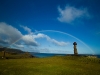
(57, 65)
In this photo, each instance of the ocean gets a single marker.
(42, 55)
(98, 56)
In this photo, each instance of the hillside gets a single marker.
(11, 50)
(14, 54)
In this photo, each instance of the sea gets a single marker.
(42, 55)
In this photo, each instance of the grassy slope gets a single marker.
(58, 65)
(15, 56)
(11, 50)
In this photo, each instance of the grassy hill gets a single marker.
(57, 65)
(11, 50)
(14, 53)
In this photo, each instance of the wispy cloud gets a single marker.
(69, 14)
(26, 29)
(59, 43)
(31, 37)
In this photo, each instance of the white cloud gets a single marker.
(26, 29)
(70, 14)
(59, 43)
(39, 35)
(19, 46)
(29, 40)
(9, 34)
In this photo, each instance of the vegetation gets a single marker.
(57, 65)
(13, 55)
(10, 53)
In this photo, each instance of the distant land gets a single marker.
(11, 50)
(41, 55)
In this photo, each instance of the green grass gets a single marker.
(57, 65)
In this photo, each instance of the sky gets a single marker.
(23, 24)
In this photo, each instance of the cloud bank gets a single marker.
(9, 34)
(69, 14)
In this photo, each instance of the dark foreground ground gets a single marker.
(57, 65)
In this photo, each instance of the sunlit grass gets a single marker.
(57, 65)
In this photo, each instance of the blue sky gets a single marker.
(80, 18)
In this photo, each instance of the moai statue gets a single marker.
(75, 49)
(4, 52)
